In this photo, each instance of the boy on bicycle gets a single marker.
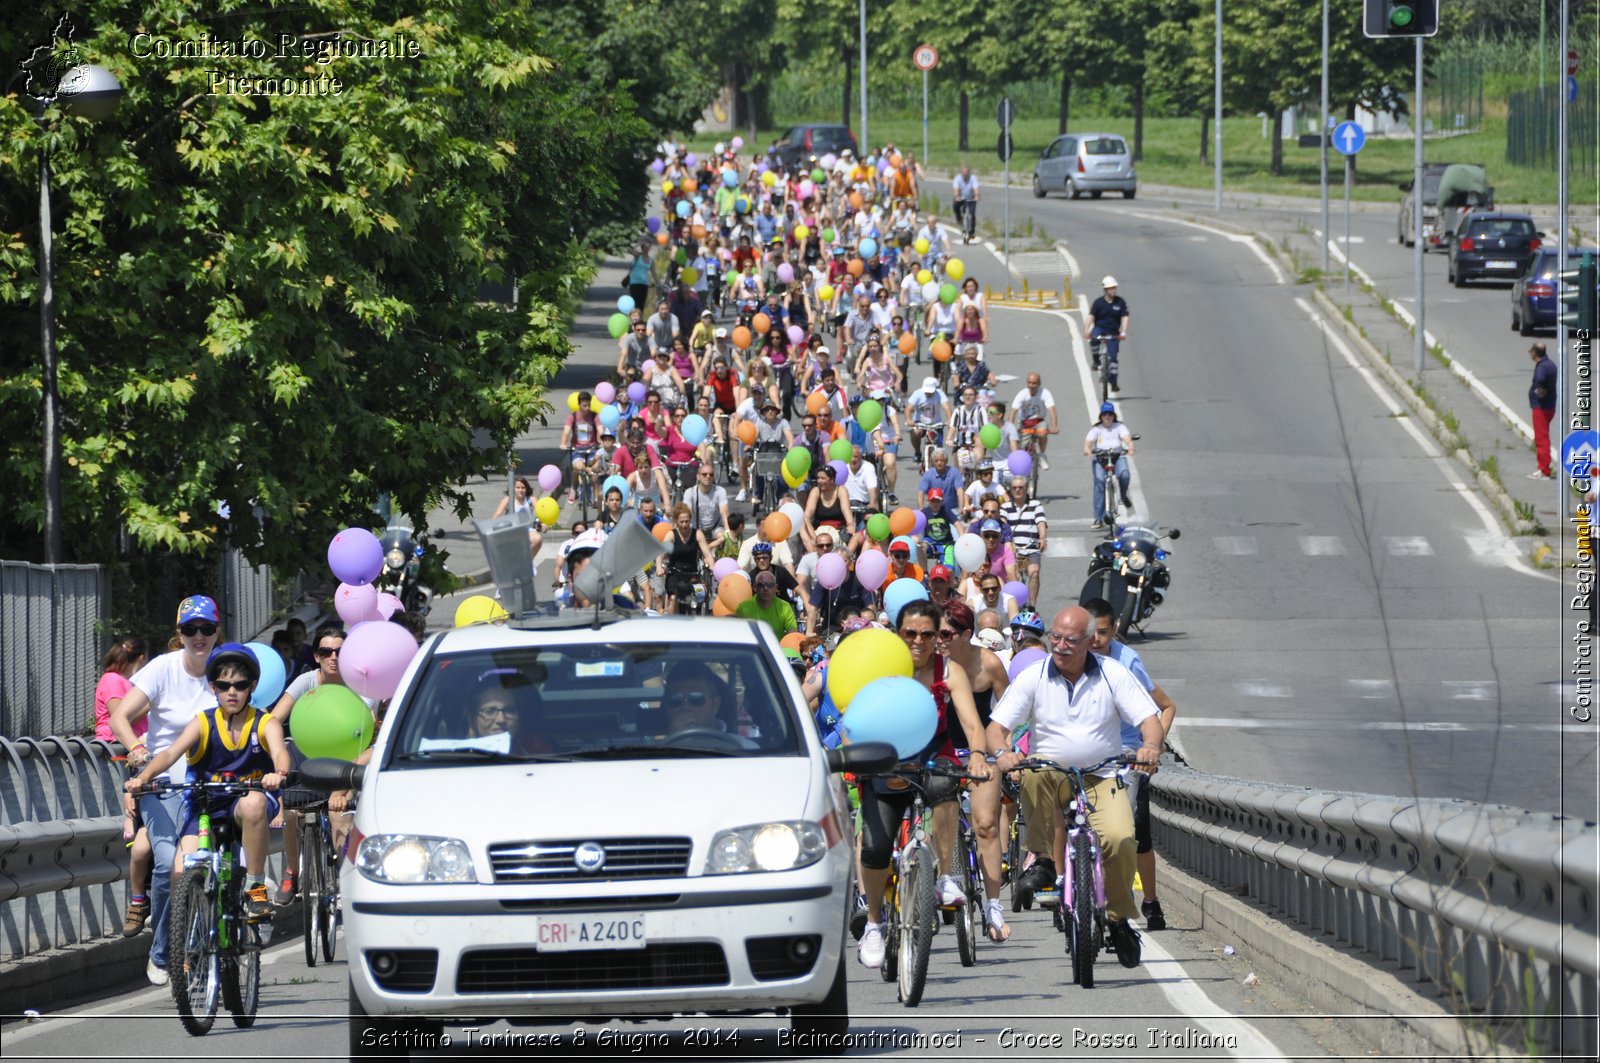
(233, 741)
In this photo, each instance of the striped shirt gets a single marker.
(1024, 521)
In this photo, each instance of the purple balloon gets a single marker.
(653, 224)
(831, 570)
(657, 167)
(374, 657)
(690, 160)
(797, 335)
(1020, 463)
(637, 391)
(871, 567)
(355, 602)
(841, 471)
(1017, 590)
(922, 523)
(785, 273)
(605, 392)
(1018, 663)
(723, 568)
(355, 556)
(549, 478)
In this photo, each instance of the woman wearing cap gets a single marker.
(171, 691)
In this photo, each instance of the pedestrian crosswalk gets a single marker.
(1311, 546)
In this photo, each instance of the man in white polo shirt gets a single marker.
(1077, 702)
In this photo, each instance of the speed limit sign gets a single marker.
(926, 57)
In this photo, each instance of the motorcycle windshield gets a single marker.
(396, 539)
(1138, 537)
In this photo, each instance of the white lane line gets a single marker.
(1266, 690)
(1248, 241)
(1409, 546)
(1371, 688)
(1235, 545)
(1321, 546)
(1323, 723)
(1189, 999)
(1469, 689)
(1491, 526)
(1067, 547)
(1072, 263)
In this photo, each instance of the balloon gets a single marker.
(730, 178)
(1019, 591)
(777, 527)
(718, 609)
(662, 531)
(818, 175)
(661, 238)
(894, 709)
(572, 402)
(694, 429)
(839, 449)
(828, 235)
(855, 267)
(610, 415)
(549, 478)
(841, 471)
(690, 185)
(731, 277)
(869, 415)
(955, 269)
(922, 523)
(829, 161)
(869, 248)
(625, 304)
(989, 436)
(921, 245)
(688, 275)
(683, 208)
(868, 654)
(769, 178)
(734, 589)
(825, 293)
(619, 482)
(479, 609)
(796, 334)
(680, 256)
(699, 232)
(737, 143)
(941, 350)
(878, 527)
(903, 521)
(800, 233)
(798, 459)
(871, 568)
(923, 276)
(355, 556)
(1021, 661)
(723, 567)
(856, 200)
(1020, 463)
(792, 641)
(331, 720)
(948, 293)
(742, 205)
(970, 552)
(270, 686)
(691, 160)
(785, 273)
(761, 323)
(605, 392)
(816, 402)
(903, 540)
(907, 343)
(637, 391)
(831, 569)
(930, 291)
(807, 189)
(548, 510)
(792, 479)
(793, 511)
(901, 593)
(388, 605)
(373, 659)
(741, 337)
(595, 405)
(746, 433)
(657, 166)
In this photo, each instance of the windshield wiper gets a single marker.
(473, 753)
(641, 750)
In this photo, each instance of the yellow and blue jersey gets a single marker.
(217, 754)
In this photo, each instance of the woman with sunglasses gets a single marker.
(827, 506)
(171, 690)
(662, 378)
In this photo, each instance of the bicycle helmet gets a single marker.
(761, 548)
(1108, 281)
(236, 654)
(1028, 621)
(1107, 407)
(855, 400)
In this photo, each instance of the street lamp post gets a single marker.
(91, 91)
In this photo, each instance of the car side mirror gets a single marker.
(863, 758)
(328, 775)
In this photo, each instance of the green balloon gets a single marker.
(947, 293)
(731, 278)
(839, 449)
(617, 325)
(332, 721)
(878, 527)
(989, 436)
(828, 235)
(798, 461)
(869, 415)
(818, 176)
(682, 256)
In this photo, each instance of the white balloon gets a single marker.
(970, 552)
(930, 291)
(795, 514)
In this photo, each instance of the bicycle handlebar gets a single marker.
(226, 786)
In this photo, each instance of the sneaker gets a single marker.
(858, 918)
(872, 948)
(994, 921)
(1041, 876)
(742, 495)
(950, 891)
(1115, 389)
(1537, 475)
(257, 905)
(1125, 940)
(156, 975)
(1127, 503)
(289, 888)
(1044, 464)
(1098, 524)
(1153, 917)
(1094, 362)
(134, 919)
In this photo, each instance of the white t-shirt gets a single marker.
(781, 555)
(860, 482)
(176, 697)
(1034, 405)
(1078, 724)
(1114, 438)
(305, 683)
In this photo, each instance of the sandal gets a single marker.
(994, 922)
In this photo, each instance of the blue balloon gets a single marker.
(270, 686)
(610, 415)
(625, 306)
(683, 208)
(653, 224)
(730, 178)
(694, 429)
(742, 205)
(620, 483)
(869, 247)
(901, 593)
(895, 709)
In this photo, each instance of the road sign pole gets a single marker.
(1216, 113)
(1349, 161)
(1416, 210)
(924, 118)
(1322, 134)
(1006, 240)
(866, 141)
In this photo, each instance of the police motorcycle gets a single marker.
(1129, 570)
(402, 568)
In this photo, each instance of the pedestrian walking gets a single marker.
(1542, 404)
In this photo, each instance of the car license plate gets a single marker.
(1501, 263)
(577, 933)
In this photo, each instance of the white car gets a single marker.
(570, 820)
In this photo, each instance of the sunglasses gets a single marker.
(237, 684)
(987, 587)
(191, 630)
(766, 585)
(324, 652)
(948, 633)
(918, 636)
(690, 697)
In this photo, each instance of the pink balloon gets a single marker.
(785, 273)
(831, 570)
(737, 142)
(797, 335)
(604, 392)
(388, 605)
(871, 568)
(374, 657)
(549, 478)
(723, 567)
(807, 189)
(355, 556)
(1018, 663)
(841, 471)
(355, 603)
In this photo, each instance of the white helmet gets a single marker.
(1108, 281)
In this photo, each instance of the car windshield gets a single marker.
(1105, 146)
(1430, 187)
(830, 137)
(596, 701)
(1492, 228)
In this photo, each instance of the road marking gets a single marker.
(1266, 690)
(1323, 723)
(1067, 546)
(1189, 999)
(1248, 241)
(1409, 546)
(1072, 263)
(1321, 546)
(1372, 688)
(1469, 689)
(1235, 545)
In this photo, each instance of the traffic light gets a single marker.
(1400, 18)
(1578, 291)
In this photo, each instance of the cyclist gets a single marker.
(1025, 516)
(238, 740)
(580, 438)
(972, 329)
(966, 417)
(686, 549)
(1108, 317)
(966, 193)
(934, 235)
(708, 502)
(1029, 411)
(874, 371)
(971, 372)
(1108, 434)
(926, 411)
(941, 530)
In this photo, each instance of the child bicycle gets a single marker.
(318, 879)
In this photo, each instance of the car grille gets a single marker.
(526, 970)
(626, 858)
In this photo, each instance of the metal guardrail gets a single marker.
(50, 645)
(1494, 905)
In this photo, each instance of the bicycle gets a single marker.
(319, 881)
(585, 483)
(1032, 440)
(1106, 460)
(680, 477)
(932, 433)
(768, 470)
(215, 949)
(1098, 359)
(964, 866)
(1081, 912)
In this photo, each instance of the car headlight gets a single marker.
(766, 847)
(1137, 560)
(407, 859)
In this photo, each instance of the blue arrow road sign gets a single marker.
(1348, 138)
(1580, 451)
(1572, 90)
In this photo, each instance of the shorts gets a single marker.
(892, 448)
(1139, 794)
(221, 810)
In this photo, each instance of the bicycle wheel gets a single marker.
(241, 976)
(1105, 375)
(891, 926)
(328, 897)
(1083, 939)
(1033, 473)
(310, 879)
(192, 952)
(961, 861)
(918, 912)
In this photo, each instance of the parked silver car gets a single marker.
(1076, 163)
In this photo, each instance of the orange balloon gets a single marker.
(816, 402)
(856, 267)
(718, 609)
(902, 522)
(662, 531)
(742, 338)
(734, 588)
(778, 527)
(699, 232)
(746, 433)
(908, 343)
(941, 350)
(761, 323)
(792, 641)
(689, 185)
(661, 238)
(855, 200)
(895, 160)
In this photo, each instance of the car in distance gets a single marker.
(1491, 244)
(1534, 293)
(580, 817)
(1467, 188)
(1095, 163)
(800, 142)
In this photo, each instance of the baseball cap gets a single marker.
(1107, 407)
(899, 544)
(198, 607)
(940, 572)
(936, 495)
(828, 531)
(705, 313)
(722, 333)
(990, 525)
(824, 350)
(930, 383)
(1108, 281)
(990, 639)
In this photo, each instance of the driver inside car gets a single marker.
(696, 699)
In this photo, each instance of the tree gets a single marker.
(1181, 61)
(963, 35)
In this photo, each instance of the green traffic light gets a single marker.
(1400, 16)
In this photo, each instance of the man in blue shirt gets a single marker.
(1542, 404)
(940, 476)
(1108, 317)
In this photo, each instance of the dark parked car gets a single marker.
(819, 139)
(1491, 244)
(1533, 295)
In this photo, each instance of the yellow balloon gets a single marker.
(956, 269)
(924, 276)
(869, 654)
(688, 274)
(572, 402)
(790, 479)
(922, 246)
(802, 231)
(479, 609)
(595, 406)
(769, 178)
(666, 188)
(825, 293)
(547, 510)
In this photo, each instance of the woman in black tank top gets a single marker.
(686, 548)
(826, 506)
